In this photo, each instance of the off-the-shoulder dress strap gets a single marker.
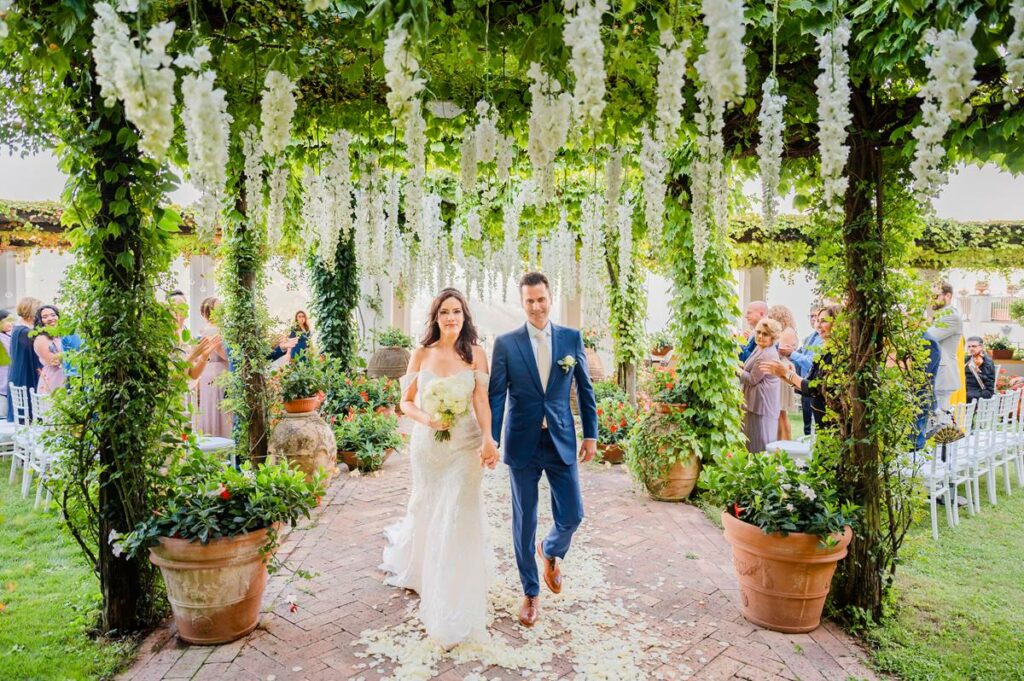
(482, 377)
(405, 381)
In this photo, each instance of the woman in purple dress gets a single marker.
(213, 420)
(760, 388)
(49, 349)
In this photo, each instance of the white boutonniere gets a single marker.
(567, 363)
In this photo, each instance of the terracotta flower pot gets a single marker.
(677, 483)
(215, 589)
(1001, 354)
(351, 459)
(784, 580)
(391, 362)
(611, 453)
(595, 365)
(302, 405)
(668, 407)
(661, 351)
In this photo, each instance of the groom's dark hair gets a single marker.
(533, 279)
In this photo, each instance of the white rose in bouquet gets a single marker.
(445, 400)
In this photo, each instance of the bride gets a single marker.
(439, 549)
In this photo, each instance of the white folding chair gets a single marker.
(43, 457)
(1007, 445)
(21, 439)
(979, 450)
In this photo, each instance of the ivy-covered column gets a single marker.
(703, 310)
(627, 310)
(335, 298)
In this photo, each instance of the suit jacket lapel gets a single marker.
(554, 357)
(525, 344)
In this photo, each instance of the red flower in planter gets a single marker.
(184, 437)
(224, 493)
(364, 395)
(600, 412)
(737, 509)
(613, 428)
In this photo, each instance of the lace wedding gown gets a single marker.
(440, 549)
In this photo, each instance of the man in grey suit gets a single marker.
(947, 328)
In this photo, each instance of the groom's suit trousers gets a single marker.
(566, 507)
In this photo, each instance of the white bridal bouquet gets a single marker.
(445, 400)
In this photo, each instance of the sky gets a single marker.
(973, 193)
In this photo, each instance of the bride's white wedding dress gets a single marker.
(440, 549)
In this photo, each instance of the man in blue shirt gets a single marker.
(802, 360)
(754, 313)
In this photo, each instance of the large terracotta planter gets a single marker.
(390, 362)
(595, 365)
(668, 407)
(302, 405)
(351, 459)
(1001, 354)
(306, 440)
(677, 483)
(215, 589)
(784, 580)
(611, 453)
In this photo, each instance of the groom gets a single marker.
(533, 367)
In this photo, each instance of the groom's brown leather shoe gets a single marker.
(552, 575)
(529, 611)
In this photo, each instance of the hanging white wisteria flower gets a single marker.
(486, 133)
(1015, 55)
(769, 150)
(549, 128)
(312, 6)
(671, 78)
(467, 162)
(946, 93)
(504, 157)
(592, 255)
(415, 157)
(141, 77)
(400, 67)
(708, 186)
(654, 167)
(5, 7)
(473, 227)
(624, 218)
(277, 107)
(207, 135)
(582, 34)
(252, 153)
(327, 202)
(723, 59)
(833, 86)
(277, 190)
(563, 256)
(612, 185)
(314, 204)
(392, 199)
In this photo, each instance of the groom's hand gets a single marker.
(588, 450)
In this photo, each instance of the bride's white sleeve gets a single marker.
(405, 381)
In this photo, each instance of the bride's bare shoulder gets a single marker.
(416, 358)
(479, 358)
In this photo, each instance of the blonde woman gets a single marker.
(787, 343)
(760, 388)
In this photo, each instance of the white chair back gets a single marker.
(40, 405)
(20, 402)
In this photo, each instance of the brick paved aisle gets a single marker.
(650, 594)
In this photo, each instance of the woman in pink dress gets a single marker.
(49, 350)
(213, 420)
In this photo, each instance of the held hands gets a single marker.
(488, 454)
(588, 450)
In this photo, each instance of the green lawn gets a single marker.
(961, 600)
(48, 598)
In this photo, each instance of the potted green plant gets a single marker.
(212, 532)
(615, 418)
(365, 440)
(787, 530)
(391, 358)
(302, 386)
(660, 343)
(666, 392)
(591, 344)
(999, 346)
(1017, 311)
(663, 455)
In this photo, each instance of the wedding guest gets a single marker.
(980, 371)
(807, 352)
(24, 369)
(761, 389)
(6, 324)
(787, 345)
(49, 350)
(927, 392)
(195, 355)
(813, 384)
(302, 332)
(947, 328)
(213, 420)
(754, 313)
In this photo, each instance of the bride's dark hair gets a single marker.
(468, 336)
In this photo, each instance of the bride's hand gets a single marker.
(488, 454)
(437, 424)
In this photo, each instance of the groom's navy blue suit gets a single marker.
(531, 449)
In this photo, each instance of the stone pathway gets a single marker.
(650, 594)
